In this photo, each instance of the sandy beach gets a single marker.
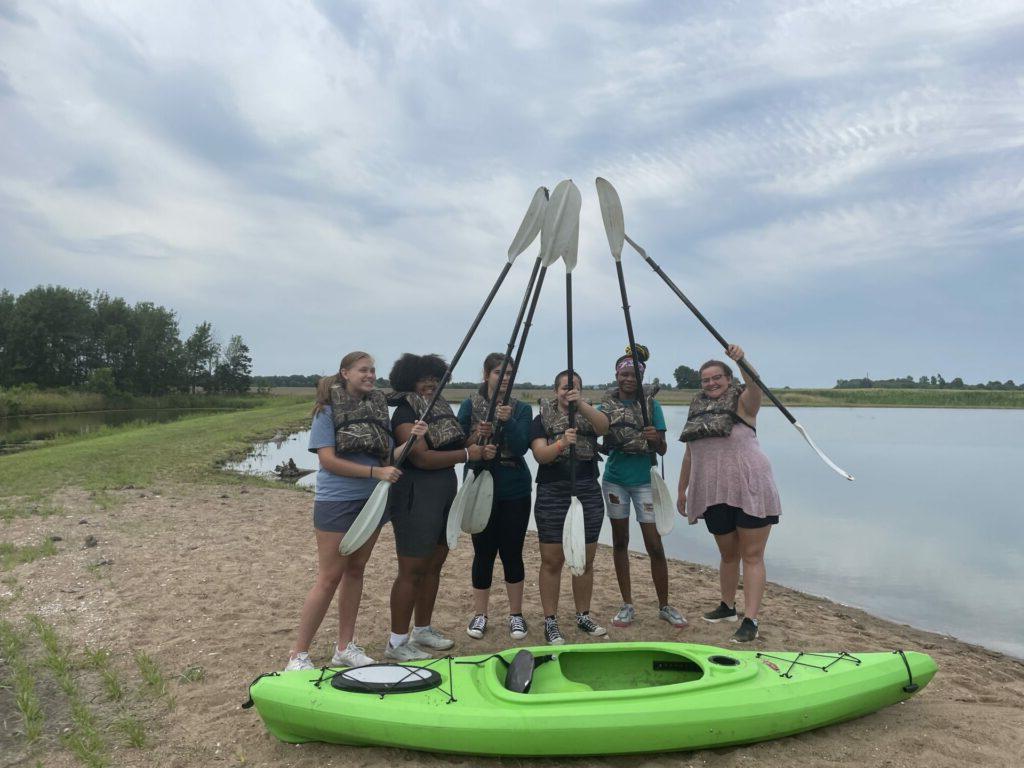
(214, 576)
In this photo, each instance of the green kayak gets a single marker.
(596, 699)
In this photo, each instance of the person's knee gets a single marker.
(753, 558)
(656, 551)
(552, 563)
(328, 582)
(620, 542)
(730, 555)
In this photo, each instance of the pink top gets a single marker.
(731, 470)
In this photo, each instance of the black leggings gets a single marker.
(504, 534)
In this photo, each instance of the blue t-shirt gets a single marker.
(332, 487)
(633, 468)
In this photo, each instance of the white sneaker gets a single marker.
(430, 638)
(352, 656)
(299, 662)
(405, 652)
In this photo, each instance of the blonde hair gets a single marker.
(323, 387)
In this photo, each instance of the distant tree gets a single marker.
(201, 354)
(101, 381)
(7, 301)
(923, 381)
(957, 383)
(49, 336)
(234, 372)
(686, 377)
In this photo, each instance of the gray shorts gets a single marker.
(419, 505)
(338, 516)
(552, 504)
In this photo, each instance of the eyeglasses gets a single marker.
(709, 379)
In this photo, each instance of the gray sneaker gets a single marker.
(625, 616)
(405, 652)
(351, 655)
(672, 616)
(431, 639)
(299, 662)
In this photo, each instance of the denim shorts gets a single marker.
(618, 497)
(338, 516)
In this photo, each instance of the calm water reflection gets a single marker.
(930, 533)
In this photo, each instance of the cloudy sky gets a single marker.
(838, 185)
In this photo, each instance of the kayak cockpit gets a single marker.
(583, 670)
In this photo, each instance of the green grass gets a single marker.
(188, 450)
(133, 729)
(21, 680)
(154, 679)
(193, 674)
(25, 401)
(12, 555)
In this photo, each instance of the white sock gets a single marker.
(420, 629)
(397, 640)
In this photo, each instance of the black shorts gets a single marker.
(419, 505)
(723, 519)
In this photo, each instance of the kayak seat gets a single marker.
(519, 675)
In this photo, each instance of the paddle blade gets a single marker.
(572, 252)
(457, 511)
(531, 223)
(821, 454)
(664, 510)
(367, 521)
(469, 501)
(574, 544)
(479, 514)
(561, 218)
(611, 213)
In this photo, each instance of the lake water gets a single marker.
(17, 432)
(930, 533)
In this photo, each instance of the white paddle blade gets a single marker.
(636, 247)
(367, 521)
(479, 514)
(821, 453)
(664, 510)
(574, 544)
(561, 217)
(469, 501)
(457, 511)
(572, 252)
(530, 226)
(611, 213)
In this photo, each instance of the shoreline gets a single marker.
(213, 576)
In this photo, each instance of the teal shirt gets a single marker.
(510, 482)
(633, 468)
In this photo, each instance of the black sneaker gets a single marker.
(586, 624)
(722, 613)
(746, 632)
(552, 634)
(516, 626)
(477, 626)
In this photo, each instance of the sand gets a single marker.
(215, 576)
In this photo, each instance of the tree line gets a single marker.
(51, 336)
(922, 382)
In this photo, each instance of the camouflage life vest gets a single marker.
(361, 424)
(555, 423)
(480, 407)
(443, 427)
(709, 417)
(626, 422)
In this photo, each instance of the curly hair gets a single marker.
(410, 368)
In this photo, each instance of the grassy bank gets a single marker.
(140, 455)
(26, 401)
(831, 398)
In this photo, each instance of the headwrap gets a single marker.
(628, 363)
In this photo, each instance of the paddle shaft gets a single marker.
(637, 372)
(742, 362)
(455, 359)
(571, 381)
(527, 324)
